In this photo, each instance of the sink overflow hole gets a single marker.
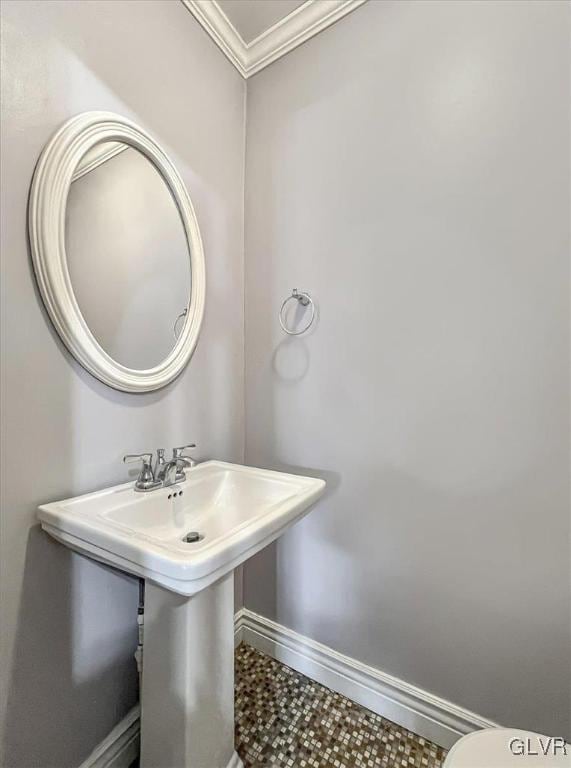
(192, 536)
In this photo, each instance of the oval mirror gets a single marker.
(117, 252)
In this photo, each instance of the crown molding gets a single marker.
(211, 16)
(294, 29)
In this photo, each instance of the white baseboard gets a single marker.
(417, 710)
(120, 747)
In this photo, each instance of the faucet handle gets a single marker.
(177, 452)
(146, 458)
(146, 480)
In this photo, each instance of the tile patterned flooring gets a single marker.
(285, 720)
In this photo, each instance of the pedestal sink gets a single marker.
(185, 541)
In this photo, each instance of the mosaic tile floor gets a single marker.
(284, 719)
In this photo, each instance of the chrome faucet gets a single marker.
(165, 473)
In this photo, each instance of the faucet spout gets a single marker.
(169, 469)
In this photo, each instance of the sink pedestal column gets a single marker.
(187, 702)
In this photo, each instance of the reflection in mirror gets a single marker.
(127, 255)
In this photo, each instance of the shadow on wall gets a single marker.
(261, 571)
(48, 723)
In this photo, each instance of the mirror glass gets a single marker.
(127, 255)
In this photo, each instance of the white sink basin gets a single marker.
(237, 511)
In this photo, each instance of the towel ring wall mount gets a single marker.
(304, 299)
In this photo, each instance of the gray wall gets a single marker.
(409, 167)
(68, 625)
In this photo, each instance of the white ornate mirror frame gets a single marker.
(46, 221)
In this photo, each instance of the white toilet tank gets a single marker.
(509, 748)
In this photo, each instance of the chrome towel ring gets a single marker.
(304, 299)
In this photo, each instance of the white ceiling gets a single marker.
(252, 17)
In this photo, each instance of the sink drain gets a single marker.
(192, 536)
